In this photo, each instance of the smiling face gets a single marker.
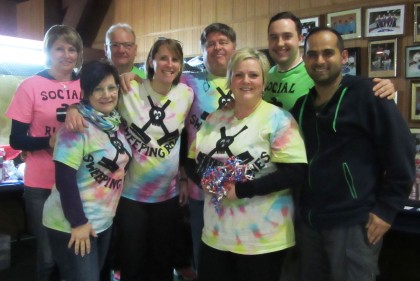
(323, 59)
(121, 55)
(247, 82)
(63, 56)
(283, 43)
(104, 97)
(166, 65)
(217, 52)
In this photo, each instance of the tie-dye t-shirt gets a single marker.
(285, 88)
(261, 224)
(153, 129)
(100, 160)
(210, 93)
(42, 102)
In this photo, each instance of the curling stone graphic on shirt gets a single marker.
(157, 116)
(225, 98)
(111, 164)
(61, 112)
(222, 147)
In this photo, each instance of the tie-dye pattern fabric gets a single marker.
(153, 129)
(261, 224)
(210, 94)
(100, 160)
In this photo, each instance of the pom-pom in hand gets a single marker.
(215, 179)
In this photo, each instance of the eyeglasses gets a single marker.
(126, 45)
(112, 89)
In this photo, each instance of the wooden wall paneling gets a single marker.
(165, 15)
(262, 8)
(30, 20)
(260, 41)
(224, 11)
(176, 13)
(196, 8)
(241, 33)
(250, 8)
(239, 10)
(249, 40)
(207, 11)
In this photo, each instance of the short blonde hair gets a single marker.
(245, 54)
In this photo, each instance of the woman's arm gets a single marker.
(288, 175)
(20, 140)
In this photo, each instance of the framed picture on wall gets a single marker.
(415, 101)
(352, 65)
(385, 21)
(412, 61)
(307, 25)
(347, 23)
(382, 58)
(417, 22)
(415, 191)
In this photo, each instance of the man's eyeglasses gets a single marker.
(126, 45)
(100, 91)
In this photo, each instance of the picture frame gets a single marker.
(307, 25)
(385, 21)
(347, 23)
(415, 101)
(352, 65)
(412, 62)
(382, 58)
(416, 35)
(415, 191)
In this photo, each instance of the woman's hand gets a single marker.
(183, 192)
(51, 142)
(384, 88)
(230, 191)
(80, 237)
(125, 80)
(74, 120)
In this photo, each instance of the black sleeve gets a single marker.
(191, 171)
(183, 152)
(288, 175)
(65, 178)
(20, 140)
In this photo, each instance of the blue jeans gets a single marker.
(197, 224)
(46, 268)
(75, 267)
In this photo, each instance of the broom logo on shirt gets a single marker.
(156, 118)
(223, 100)
(222, 147)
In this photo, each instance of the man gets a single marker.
(218, 43)
(288, 79)
(361, 171)
(120, 48)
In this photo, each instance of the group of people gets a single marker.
(294, 221)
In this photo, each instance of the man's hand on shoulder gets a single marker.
(125, 81)
(384, 88)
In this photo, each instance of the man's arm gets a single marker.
(384, 88)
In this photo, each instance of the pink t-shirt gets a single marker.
(41, 102)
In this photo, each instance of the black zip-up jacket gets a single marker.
(360, 156)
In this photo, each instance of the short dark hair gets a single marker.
(217, 27)
(340, 42)
(173, 46)
(286, 15)
(93, 73)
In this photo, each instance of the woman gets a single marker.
(247, 238)
(36, 110)
(148, 212)
(90, 170)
